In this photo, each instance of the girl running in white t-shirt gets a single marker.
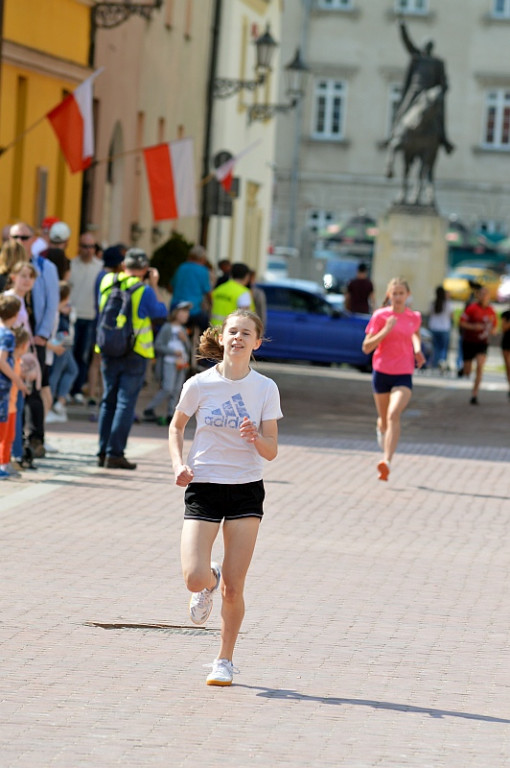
(393, 335)
(236, 411)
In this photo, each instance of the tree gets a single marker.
(168, 256)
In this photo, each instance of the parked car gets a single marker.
(303, 325)
(457, 282)
(277, 268)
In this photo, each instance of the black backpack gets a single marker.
(115, 334)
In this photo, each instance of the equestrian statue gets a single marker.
(419, 124)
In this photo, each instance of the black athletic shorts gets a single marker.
(214, 502)
(382, 383)
(470, 349)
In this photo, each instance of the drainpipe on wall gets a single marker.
(215, 41)
(294, 168)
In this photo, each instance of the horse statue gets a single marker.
(417, 134)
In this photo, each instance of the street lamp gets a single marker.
(225, 87)
(296, 73)
(106, 15)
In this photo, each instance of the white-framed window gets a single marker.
(318, 220)
(496, 129)
(412, 6)
(329, 109)
(394, 96)
(501, 9)
(335, 5)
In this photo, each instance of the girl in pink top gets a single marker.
(393, 335)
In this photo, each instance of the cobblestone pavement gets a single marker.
(377, 620)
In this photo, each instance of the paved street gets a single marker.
(377, 625)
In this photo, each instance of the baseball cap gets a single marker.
(135, 258)
(48, 222)
(183, 305)
(113, 256)
(59, 232)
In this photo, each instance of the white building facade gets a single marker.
(330, 153)
(243, 234)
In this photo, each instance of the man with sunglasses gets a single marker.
(43, 307)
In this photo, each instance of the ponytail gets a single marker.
(209, 347)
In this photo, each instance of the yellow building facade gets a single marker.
(45, 52)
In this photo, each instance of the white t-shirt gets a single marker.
(443, 320)
(218, 453)
(83, 281)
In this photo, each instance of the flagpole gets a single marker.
(20, 136)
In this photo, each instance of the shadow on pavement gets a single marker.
(290, 695)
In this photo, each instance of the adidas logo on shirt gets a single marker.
(230, 415)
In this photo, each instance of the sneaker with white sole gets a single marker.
(60, 409)
(201, 603)
(11, 471)
(52, 417)
(223, 672)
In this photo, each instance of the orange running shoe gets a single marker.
(384, 470)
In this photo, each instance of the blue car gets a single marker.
(303, 325)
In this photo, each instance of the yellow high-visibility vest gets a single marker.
(224, 300)
(142, 326)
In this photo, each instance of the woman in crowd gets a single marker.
(440, 324)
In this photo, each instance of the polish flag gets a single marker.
(225, 172)
(171, 176)
(72, 121)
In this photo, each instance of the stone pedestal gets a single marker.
(410, 244)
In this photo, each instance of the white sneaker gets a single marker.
(222, 673)
(78, 398)
(52, 417)
(60, 409)
(201, 603)
(10, 470)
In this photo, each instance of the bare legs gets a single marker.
(468, 366)
(197, 540)
(390, 407)
(239, 537)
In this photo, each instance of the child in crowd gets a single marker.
(172, 344)
(8, 428)
(9, 308)
(64, 369)
(21, 281)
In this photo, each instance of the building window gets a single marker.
(329, 109)
(497, 119)
(334, 5)
(318, 221)
(412, 6)
(501, 9)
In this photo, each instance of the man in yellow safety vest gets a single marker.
(123, 377)
(231, 295)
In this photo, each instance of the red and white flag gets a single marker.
(225, 172)
(72, 121)
(171, 176)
